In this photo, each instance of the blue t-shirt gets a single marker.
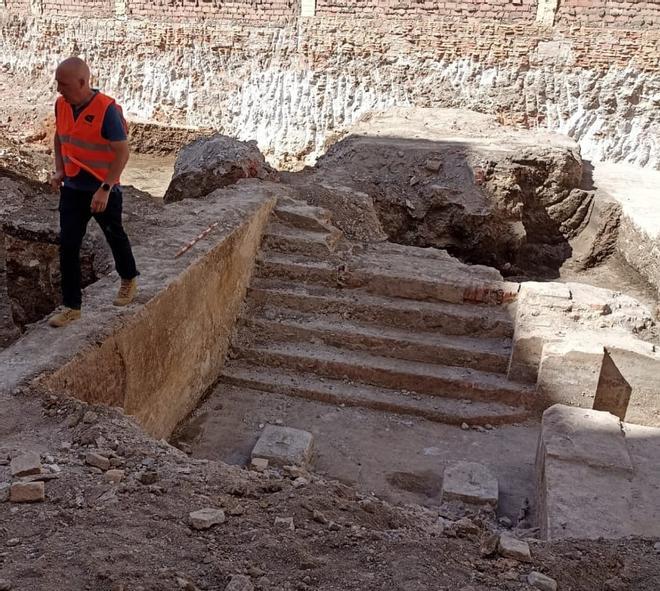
(111, 130)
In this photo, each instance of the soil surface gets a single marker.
(136, 535)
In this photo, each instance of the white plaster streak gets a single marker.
(263, 86)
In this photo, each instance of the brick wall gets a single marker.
(288, 85)
(96, 8)
(17, 6)
(610, 13)
(503, 10)
(244, 10)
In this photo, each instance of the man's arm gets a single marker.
(58, 176)
(120, 152)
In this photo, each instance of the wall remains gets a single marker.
(260, 71)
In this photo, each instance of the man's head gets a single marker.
(72, 77)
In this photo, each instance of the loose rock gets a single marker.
(284, 523)
(114, 476)
(27, 492)
(90, 417)
(97, 460)
(541, 581)
(511, 547)
(259, 464)
(149, 477)
(26, 464)
(240, 583)
(206, 518)
(470, 482)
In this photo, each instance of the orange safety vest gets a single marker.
(81, 142)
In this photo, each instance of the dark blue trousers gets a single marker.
(75, 213)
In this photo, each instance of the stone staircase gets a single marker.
(381, 326)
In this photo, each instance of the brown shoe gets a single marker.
(126, 293)
(66, 316)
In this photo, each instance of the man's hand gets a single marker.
(100, 201)
(56, 180)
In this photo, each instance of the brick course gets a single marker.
(609, 14)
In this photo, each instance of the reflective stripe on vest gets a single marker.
(81, 142)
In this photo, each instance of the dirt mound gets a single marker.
(214, 162)
(507, 200)
(136, 533)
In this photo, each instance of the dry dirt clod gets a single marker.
(149, 477)
(285, 523)
(489, 545)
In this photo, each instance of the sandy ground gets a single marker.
(149, 173)
(401, 458)
(636, 189)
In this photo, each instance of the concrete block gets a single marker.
(283, 445)
(27, 492)
(206, 518)
(26, 464)
(471, 483)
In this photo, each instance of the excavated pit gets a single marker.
(323, 342)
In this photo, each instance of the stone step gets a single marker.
(303, 216)
(376, 370)
(393, 282)
(491, 355)
(312, 387)
(357, 305)
(284, 239)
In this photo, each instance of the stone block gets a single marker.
(511, 547)
(283, 445)
(26, 464)
(206, 518)
(584, 436)
(587, 483)
(470, 482)
(568, 372)
(27, 492)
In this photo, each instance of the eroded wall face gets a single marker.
(159, 363)
(291, 81)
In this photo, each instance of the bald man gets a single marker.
(91, 151)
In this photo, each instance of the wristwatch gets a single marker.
(106, 187)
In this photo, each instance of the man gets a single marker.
(91, 151)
